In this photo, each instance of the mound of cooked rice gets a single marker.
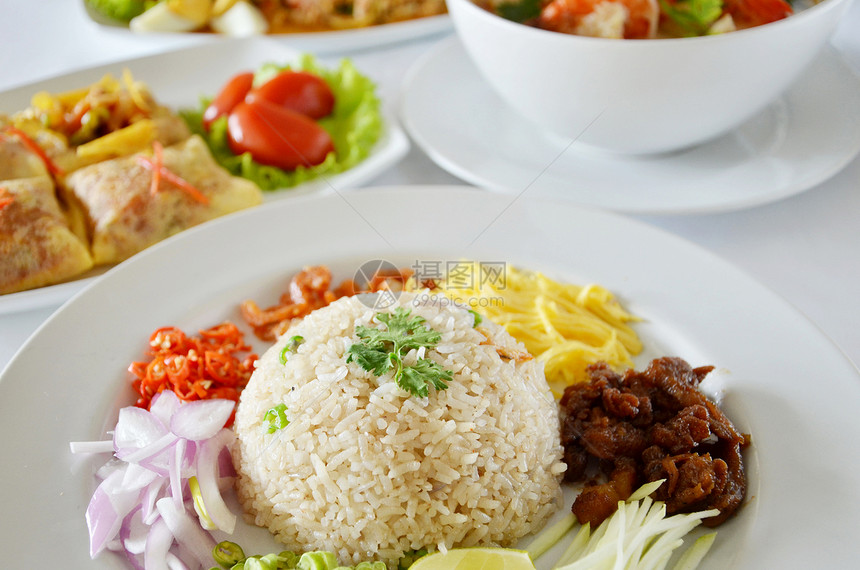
(368, 471)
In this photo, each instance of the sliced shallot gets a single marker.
(142, 506)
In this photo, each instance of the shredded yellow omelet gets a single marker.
(566, 326)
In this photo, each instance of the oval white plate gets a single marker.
(807, 136)
(778, 376)
(178, 79)
(321, 42)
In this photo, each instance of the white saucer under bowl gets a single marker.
(801, 140)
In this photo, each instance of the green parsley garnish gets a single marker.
(693, 17)
(276, 418)
(380, 350)
(291, 346)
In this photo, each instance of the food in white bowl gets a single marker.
(643, 19)
(642, 96)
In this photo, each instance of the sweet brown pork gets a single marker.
(643, 426)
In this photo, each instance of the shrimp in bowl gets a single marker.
(630, 19)
(641, 19)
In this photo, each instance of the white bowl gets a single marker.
(642, 96)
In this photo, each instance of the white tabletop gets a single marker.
(805, 248)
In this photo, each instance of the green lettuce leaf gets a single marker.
(692, 17)
(355, 126)
(519, 11)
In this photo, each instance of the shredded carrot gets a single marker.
(6, 197)
(157, 163)
(194, 368)
(182, 184)
(159, 170)
(75, 118)
(309, 290)
(34, 147)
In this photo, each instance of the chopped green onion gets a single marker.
(276, 418)
(478, 317)
(230, 555)
(227, 553)
(256, 563)
(409, 558)
(291, 346)
(277, 561)
(317, 560)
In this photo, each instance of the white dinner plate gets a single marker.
(178, 79)
(322, 42)
(802, 139)
(778, 377)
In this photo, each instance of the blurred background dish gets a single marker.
(178, 79)
(642, 96)
(161, 23)
(805, 137)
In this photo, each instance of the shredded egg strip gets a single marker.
(566, 326)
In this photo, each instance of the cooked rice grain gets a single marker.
(369, 472)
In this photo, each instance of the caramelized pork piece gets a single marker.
(598, 501)
(650, 425)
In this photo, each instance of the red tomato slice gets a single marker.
(749, 13)
(230, 95)
(300, 91)
(277, 136)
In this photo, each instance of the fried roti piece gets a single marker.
(36, 246)
(124, 216)
(17, 161)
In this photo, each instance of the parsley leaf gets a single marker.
(416, 378)
(375, 360)
(694, 17)
(519, 11)
(381, 349)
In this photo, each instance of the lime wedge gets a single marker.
(476, 559)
